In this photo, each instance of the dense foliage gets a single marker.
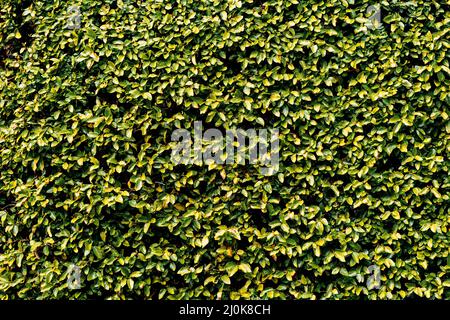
(86, 117)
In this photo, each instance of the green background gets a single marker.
(86, 180)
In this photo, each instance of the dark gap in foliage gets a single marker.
(390, 163)
(259, 219)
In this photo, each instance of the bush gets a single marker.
(87, 182)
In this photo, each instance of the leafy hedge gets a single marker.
(86, 117)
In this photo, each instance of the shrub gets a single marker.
(86, 180)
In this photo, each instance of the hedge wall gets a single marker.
(86, 180)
